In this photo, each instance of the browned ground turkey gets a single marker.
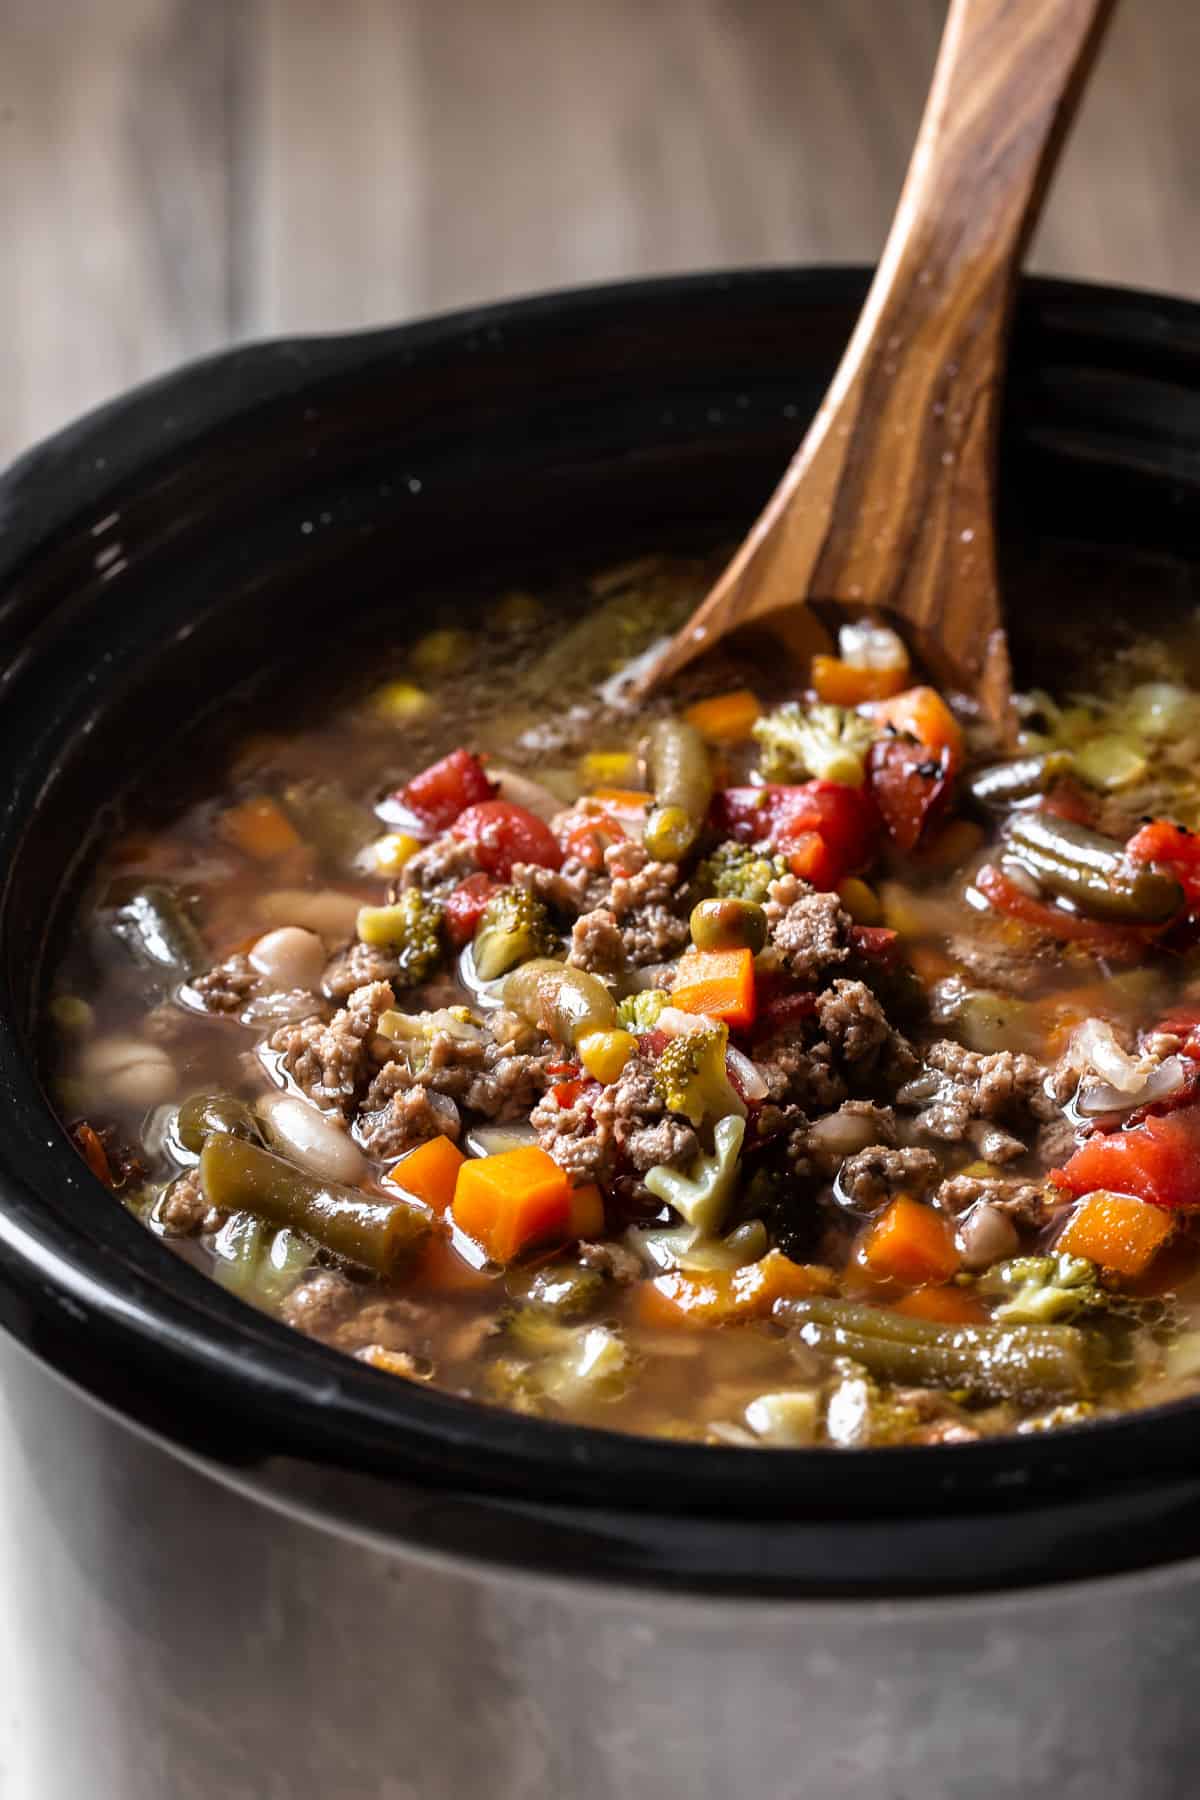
(332, 1063)
(227, 987)
(811, 931)
(872, 1176)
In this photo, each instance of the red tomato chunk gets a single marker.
(446, 788)
(1157, 1161)
(502, 835)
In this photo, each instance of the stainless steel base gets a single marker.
(163, 1637)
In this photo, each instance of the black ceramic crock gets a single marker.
(155, 556)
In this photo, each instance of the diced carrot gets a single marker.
(947, 1305)
(1117, 1231)
(923, 714)
(622, 800)
(430, 1172)
(810, 858)
(89, 1146)
(724, 1296)
(260, 828)
(725, 718)
(509, 1201)
(719, 983)
(439, 1269)
(586, 1217)
(911, 1243)
(839, 683)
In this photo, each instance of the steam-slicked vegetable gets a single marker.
(740, 871)
(1039, 1290)
(728, 924)
(1007, 1362)
(258, 1264)
(208, 1111)
(567, 1003)
(682, 784)
(515, 927)
(1091, 871)
(361, 1227)
(704, 1195)
(150, 920)
(829, 742)
(691, 1078)
(411, 927)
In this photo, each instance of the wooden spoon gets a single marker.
(889, 501)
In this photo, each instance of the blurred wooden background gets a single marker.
(175, 174)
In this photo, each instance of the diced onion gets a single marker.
(1163, 1080)
(492, 1140)
(1093, 1049)
(745, 1073)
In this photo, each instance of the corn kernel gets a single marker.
(605, 1053)
(440, 650)
(607, 768)
(399, 701)
(860, 901)
(390, 853)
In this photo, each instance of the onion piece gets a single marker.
(745, 1073)
(1094, 1097)
(492, 1140)
(1093, 1049)
(868, 646)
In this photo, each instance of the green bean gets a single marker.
(1001, 1362)
(1000, 786)
(567, 1003)
(203, 1113)
(681, 781)
(565, 1289)
(1091, 871)
(150, 920)
(237, 1176)
(728, 924)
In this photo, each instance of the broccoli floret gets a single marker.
(639, 1012)
(515, 926)
(411, 928)
(690, 1076)
(1037, 1290)
(829, 742)
(735, 871)
(703, 1196)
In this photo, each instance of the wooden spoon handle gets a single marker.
(892, 486)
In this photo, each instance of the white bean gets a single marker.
(327, 911)
(129, 1071)
(290, 957)
(312, 1139)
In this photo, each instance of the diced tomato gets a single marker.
(446, 788)
(825, 830)
(1117, 942)
(465, 906)
(1173, 847)
(878, 943)
(910, 784)
(502, 834)
(587, 835)
(1157, 1161)
(784, 1012)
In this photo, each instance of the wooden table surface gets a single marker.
(176, 174)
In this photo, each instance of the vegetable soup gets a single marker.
(787, 1062)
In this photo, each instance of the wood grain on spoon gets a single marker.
(889, 501)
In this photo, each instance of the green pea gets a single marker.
(729, 924)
